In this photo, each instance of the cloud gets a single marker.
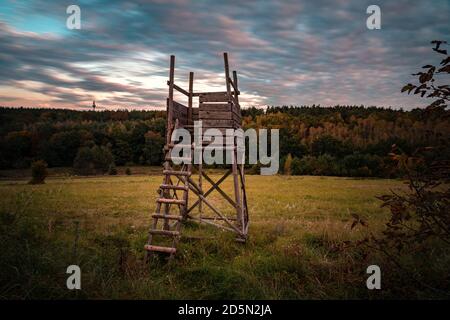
(286, 52)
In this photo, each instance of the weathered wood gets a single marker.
(171, 201)
(218, 110)
(218, 218)
(165, 232)
(176, 173)
(236, 97)
(198, 94)
(216, 211)
(223, 107)
(206, 221)
(172, 186)
(208, 123)
(214, 97)
(170, 98)
(180, 109)
(179, 89)
(219, 115)
(232, 84)
(167, 216)
(237, 194)
(215, 185)
(227, 75)
(191, 91)
(149, 247)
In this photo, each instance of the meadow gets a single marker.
(100, 223)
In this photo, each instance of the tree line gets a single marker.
(340, 140)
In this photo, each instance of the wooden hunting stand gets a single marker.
(218, 110)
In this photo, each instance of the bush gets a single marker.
(93, 160)
(128, 171)
(112, 171)
(38, 172)
(288, 165)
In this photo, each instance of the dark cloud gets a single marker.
(287, 52)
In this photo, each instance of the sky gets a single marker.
(285, 52)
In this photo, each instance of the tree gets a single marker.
(327, 144)
(153, 149)
(38, 172)
(287, 165)
(419, 221)
(112, 171)
(93, 160)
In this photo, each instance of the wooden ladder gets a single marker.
(168, 198)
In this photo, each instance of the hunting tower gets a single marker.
(181, 176)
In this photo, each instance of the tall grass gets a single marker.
(101, 223)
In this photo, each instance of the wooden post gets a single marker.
(170, 104)
(237, 191)
(236, 96)
(191, 92)
(227, 74)
(169, 133)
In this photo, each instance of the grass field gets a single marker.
(100, 223)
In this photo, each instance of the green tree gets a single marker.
(38, 172)
(288, 165)
(153, 149)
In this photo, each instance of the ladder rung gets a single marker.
(167, 216)
(149, 247)
(174, 187)
(174, 201)
(177, 173)
(165, 232)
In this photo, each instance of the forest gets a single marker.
(314, 140)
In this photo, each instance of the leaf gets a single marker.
(445, 69)
(445, 61)
(440, 51)
(409, 87)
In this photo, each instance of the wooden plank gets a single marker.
(236, 97)
(179, 89)
(214, 186)
(165, 232)
(232, 84)
(224, 107)
(170, 99)
(168, 216)
(214, 97)
(191, 90)
(174, 201)
(217, 115)
(181, 108)
(218, 123)
(227, 75)
(180, 112)
(198, 94)
(149, 247)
